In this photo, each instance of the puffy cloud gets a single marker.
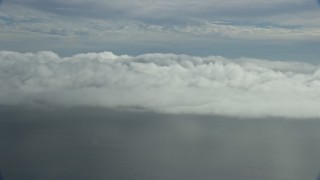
(162, 82)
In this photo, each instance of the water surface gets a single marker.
(96, 144)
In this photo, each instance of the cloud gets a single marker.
(166, 83)
(178, 11)
(154, 9)
(228, 28)
(31, 21)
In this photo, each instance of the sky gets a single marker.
(244, 58)
(275, 30)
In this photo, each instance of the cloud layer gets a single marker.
(275, 29)
(162, 82)
(168, 9)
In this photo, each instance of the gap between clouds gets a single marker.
(166, 83)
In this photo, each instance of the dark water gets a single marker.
(100, 144)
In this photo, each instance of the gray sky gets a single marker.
(230, 65)
(275, 29)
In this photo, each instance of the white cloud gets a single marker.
(163, 83)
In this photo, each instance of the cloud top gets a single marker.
(166, 83)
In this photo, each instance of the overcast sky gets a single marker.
(274, 29)
(248, 58)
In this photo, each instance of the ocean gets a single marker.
(106, 144)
